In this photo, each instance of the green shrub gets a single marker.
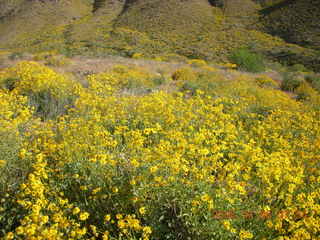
(314, 80)
(159, 80)
(276, 66)
(298, 68)
(191, 87)
(305, 92)
(291, 82)
(48, 106)
(247, 60)
(9, 83)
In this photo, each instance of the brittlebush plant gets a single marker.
(47, 91)
(232, 162)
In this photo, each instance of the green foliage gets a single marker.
(298, 68)
(160, 80)
(48, 106)
(190, 87)
(247, 60)
(291, 81)
(314, 80)
(305, 92)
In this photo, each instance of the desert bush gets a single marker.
(247, 60)
(276, 66)
(48, 92)
(160, 79)
(305, 92)
(184, 74)
(314, 80)
(291, 81)
(190, 87)
(205, 82)
(298, 68)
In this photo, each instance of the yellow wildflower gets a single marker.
(83, 216)
(142, 210)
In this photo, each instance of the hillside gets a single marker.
(204, 29)
(295, 21)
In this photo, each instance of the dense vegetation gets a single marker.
(116, 157)
(210, 128)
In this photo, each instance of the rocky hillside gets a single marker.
(206, 29)
(295, 21)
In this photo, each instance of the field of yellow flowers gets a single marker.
(210, 158)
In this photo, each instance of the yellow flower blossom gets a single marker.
(142, 210)
(83, 216)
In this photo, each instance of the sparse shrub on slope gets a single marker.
(314, 80)
(291, 81)
(305, 92)
(247, 60)
(298, 68)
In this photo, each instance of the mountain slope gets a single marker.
(295, 21)
(206, 29)
(26, 19)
